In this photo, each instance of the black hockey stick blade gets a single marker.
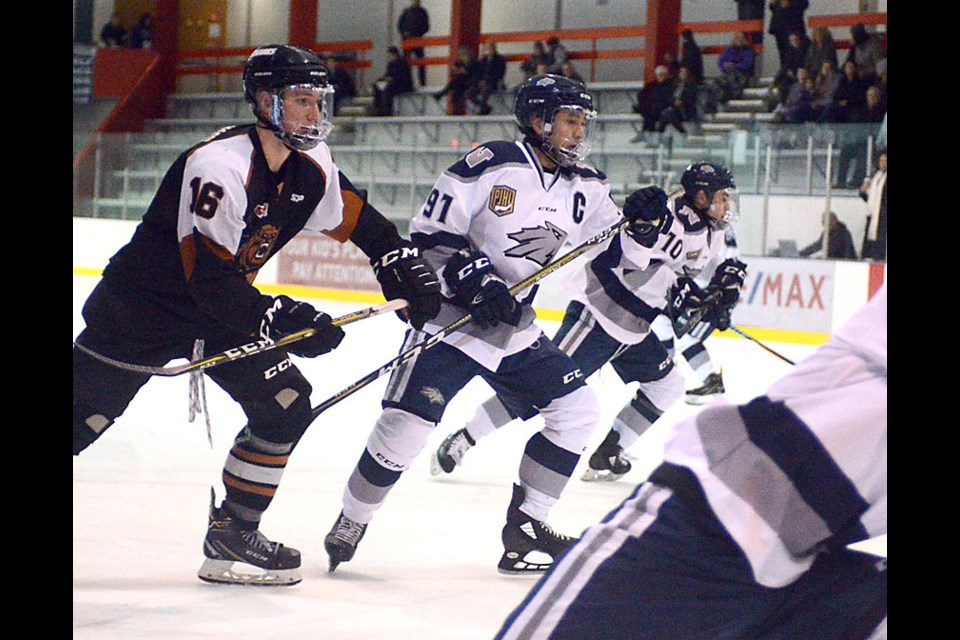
(752, 339)
(245, 350)
(431, 341)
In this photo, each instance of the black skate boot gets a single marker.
(341, 543)
(235, 555)
(712, 388)
(451, 452)
(522, 535)
(608, 462)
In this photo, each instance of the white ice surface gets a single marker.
(425, 570)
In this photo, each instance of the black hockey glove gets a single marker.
(688, 304)
(402, 273)
(288, 316)
(727, 281)
(647, 211)
(476, 288)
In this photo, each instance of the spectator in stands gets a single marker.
(414, 22)
(344, 89)
(492, 69)
(874, 193)
(826, 82)
(141, 36)
(570, 71)
(654, 97)
(114, 34)
(881, 82)
(798, 105)
(751, 10)
(850, 96)
(537, 57)
(683, 108)
(822, 49)
(736, 64)
(558, 54)
(866, 51)
(786, 17)
(790, 60)
(464, 77)
(853, 150)
(690, 55)
(396, 81)
(839, 246)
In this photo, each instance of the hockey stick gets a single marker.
(431, 341)
(748, 337)
(245, 350)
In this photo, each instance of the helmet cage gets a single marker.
(560, 153)
(304, 136)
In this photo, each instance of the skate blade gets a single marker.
(230, 572)
(435, 468)
(592, 475)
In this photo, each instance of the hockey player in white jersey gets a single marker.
(690, 346)
(493, 218)
(614, 300)
(744, 530)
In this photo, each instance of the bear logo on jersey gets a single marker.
(502, 200)
(257, 249)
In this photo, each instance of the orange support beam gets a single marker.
(663, 17)
(303, 23)
(464, 32)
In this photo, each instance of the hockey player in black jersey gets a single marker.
(224, 208)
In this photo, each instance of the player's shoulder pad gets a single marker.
(487, 156)
(586, 172)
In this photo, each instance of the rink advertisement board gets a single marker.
(315, 260)
(788, 294)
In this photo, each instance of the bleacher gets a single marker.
(398, 158)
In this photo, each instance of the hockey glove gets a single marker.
(647, 211)
(476, 288)
(726, 282)
(288, 316)
(688, 304)
(728, 279)
(402, 273)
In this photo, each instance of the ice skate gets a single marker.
(712, 388)
(530, 546)
(608, 462)
(341, 543)
(234, 555)
(450, 453)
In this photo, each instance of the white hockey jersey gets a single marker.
(498, 200)
(625, 290)
(802, 469)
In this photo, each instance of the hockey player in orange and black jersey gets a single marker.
(224, 208)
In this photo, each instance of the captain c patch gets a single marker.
(502, 200)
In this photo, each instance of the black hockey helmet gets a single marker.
(543, 96)
(276, 68)
(711, 178)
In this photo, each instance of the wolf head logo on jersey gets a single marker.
(502, 200)
(539, 244)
